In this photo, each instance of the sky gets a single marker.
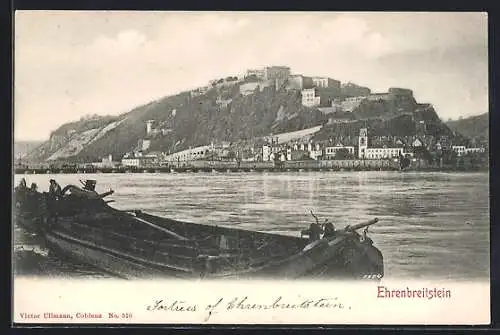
(69, 64)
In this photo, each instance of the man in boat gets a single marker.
(328, 229)
(22, 185)
(314, 230)
(364, 238)
(33, 188)
(54, 188)
(55, 193)
(21, 191)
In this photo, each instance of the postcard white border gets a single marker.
(344, 303)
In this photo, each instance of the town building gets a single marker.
(106, 162)
(266, 152)
(270, 73)
(331, 151)
(459, 149)
(299, 82)
(149, 126)
(143, 144)
(472, 150)
(417, 143)
(273, 150)
(223, 103)
(316, 153)
(310, 98)
(462, 150)
(366, 152)
(190, 154)
(138, 159)
(392, 93)
(258, 73)
(131, 160)
(276, 72)
(327, 95)
(325, 82)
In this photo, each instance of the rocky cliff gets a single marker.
(22, 148)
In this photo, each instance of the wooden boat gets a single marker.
(133, 244)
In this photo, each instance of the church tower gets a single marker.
(362, 143)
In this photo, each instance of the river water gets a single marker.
(432, 225)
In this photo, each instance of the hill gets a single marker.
(472, 127)
(22, 148)
(230, 111)
(181, 121)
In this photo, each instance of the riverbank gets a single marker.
(233, 167)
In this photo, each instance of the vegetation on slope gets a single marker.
(474, 126)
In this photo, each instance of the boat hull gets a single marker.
(341, 257)
(117, 265)
(140, 245)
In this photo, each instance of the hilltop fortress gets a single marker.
(325, 93)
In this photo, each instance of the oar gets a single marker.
(165, 230)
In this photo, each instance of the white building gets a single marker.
(470, 150)
(364, 152)
(190, 154)
(309, 98)
(266, 153)
(459, 149)
(320, 81)
(332, 151)
(381, 153)
(362, 143)
(143, 144)
(149, 126)
(131, 161)
(315, 154)
(417, 143)
(106, 162)
(462, 150)
(325, 82)
(223, 103)
(137, 159)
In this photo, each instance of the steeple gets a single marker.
(362, 142)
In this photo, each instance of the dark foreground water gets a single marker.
(431, 224)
